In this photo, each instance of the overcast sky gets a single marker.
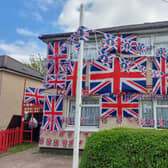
(22, 21)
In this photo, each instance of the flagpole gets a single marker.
(78, 99)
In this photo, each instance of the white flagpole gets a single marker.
(78, 100)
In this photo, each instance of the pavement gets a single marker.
(32, 158)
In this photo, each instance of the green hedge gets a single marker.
(126, 148)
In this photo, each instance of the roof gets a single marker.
(152, 27)
(8, 63)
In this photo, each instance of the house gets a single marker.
(125, 82)
(12, 77)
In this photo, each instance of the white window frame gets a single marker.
(155, 106)
(83, 128)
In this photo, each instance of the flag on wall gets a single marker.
(160, 83)
(71, 78)
(56, 53)
(125, 43)
(34, 95)
(53, 110)
(105, 80)
(119, 106)
(56, 81)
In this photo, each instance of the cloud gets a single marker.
(21, 50)
(26, 32)
(109, 13)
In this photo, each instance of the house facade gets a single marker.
(124, 82)
(12, 77)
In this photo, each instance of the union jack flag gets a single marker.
(119, 106)
(105, 80)
(160, 84)
(56, 52)
(56, 81)
(52, 67)
(34, 95)
(125, 43)
(71, 79)
(128, 44)
(53, 110)
(110, 41)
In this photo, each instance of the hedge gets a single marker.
(126, 148)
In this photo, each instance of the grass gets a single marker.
(20, 148)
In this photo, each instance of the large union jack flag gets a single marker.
(160, 84)
(56, 81)
(71, 77)
(105, 80)
(53, 110)
(119, 106)
(56, 52)
(34, 95)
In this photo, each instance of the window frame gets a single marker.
(155, 106)
(83, 128)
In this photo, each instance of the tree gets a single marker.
(37, 62)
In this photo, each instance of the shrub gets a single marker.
(126, 148)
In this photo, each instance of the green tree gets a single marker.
(37, 62)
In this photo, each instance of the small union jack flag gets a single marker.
(160, 84)
(34, 95)
(161, 52)
(53, 110)
(56, 52)
(119, 106)
(128, 44)
(110, 41)
(56, 81)
(83, 33)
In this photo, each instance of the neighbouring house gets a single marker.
(125, 82)
(12, 77)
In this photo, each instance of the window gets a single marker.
(90, 51)
(147, 113)
(159, 109)
(89, 112)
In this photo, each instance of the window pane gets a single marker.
(162, 102)
(162, 117)
(88, 114)
(90, 101)
(163, 38)
(147, 113)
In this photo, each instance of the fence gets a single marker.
(9, 138)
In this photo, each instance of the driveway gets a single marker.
(31, 158)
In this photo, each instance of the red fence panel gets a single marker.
(9, 138)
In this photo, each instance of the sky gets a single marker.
(23, 21)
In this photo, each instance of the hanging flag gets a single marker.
(34, 95)
(125, 43)
(55, 55)
(119, 106)
(110, 42)
(140, 48)
(83, 33)
(53, 110)
(161, 52)
(105, 80)
(128, 44)
(71, 78)
(160, 84)
(55, 81)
